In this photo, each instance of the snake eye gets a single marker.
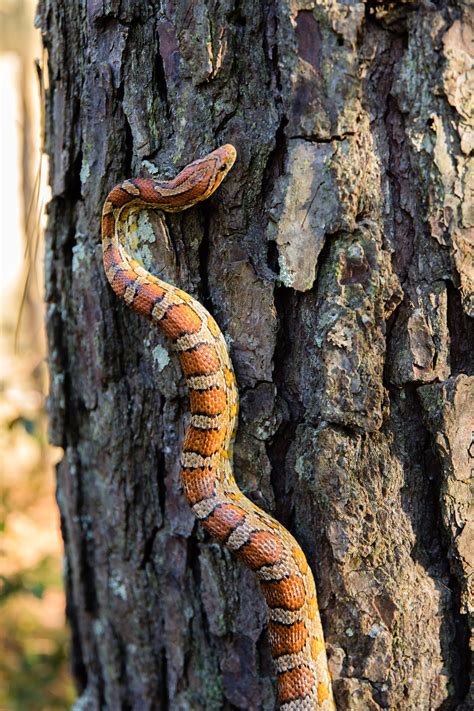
(221, 168)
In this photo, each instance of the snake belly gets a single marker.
(263, 544)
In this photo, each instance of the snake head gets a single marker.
(223, 158)
(203, 176)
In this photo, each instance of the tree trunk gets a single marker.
(336, 259)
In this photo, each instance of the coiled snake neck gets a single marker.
(256, 538)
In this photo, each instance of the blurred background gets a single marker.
(34, 670)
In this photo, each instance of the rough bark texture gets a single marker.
(336, 259)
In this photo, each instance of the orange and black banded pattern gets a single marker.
(264, 545)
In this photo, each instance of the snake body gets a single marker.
(263, 544)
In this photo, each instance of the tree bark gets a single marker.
(336, 259)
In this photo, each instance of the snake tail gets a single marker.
(263, 544)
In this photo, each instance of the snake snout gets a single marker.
(230, 152)
(226, 156)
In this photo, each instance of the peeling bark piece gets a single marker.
(302, 207)
(316, 196)
(463, 242)
(449, 413)
(356, 284)
(458, 77)
(441, 137)
(419, 343)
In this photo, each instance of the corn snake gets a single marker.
(264, 545)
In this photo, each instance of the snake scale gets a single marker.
(264, 545)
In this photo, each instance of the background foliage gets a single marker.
(34, 671)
